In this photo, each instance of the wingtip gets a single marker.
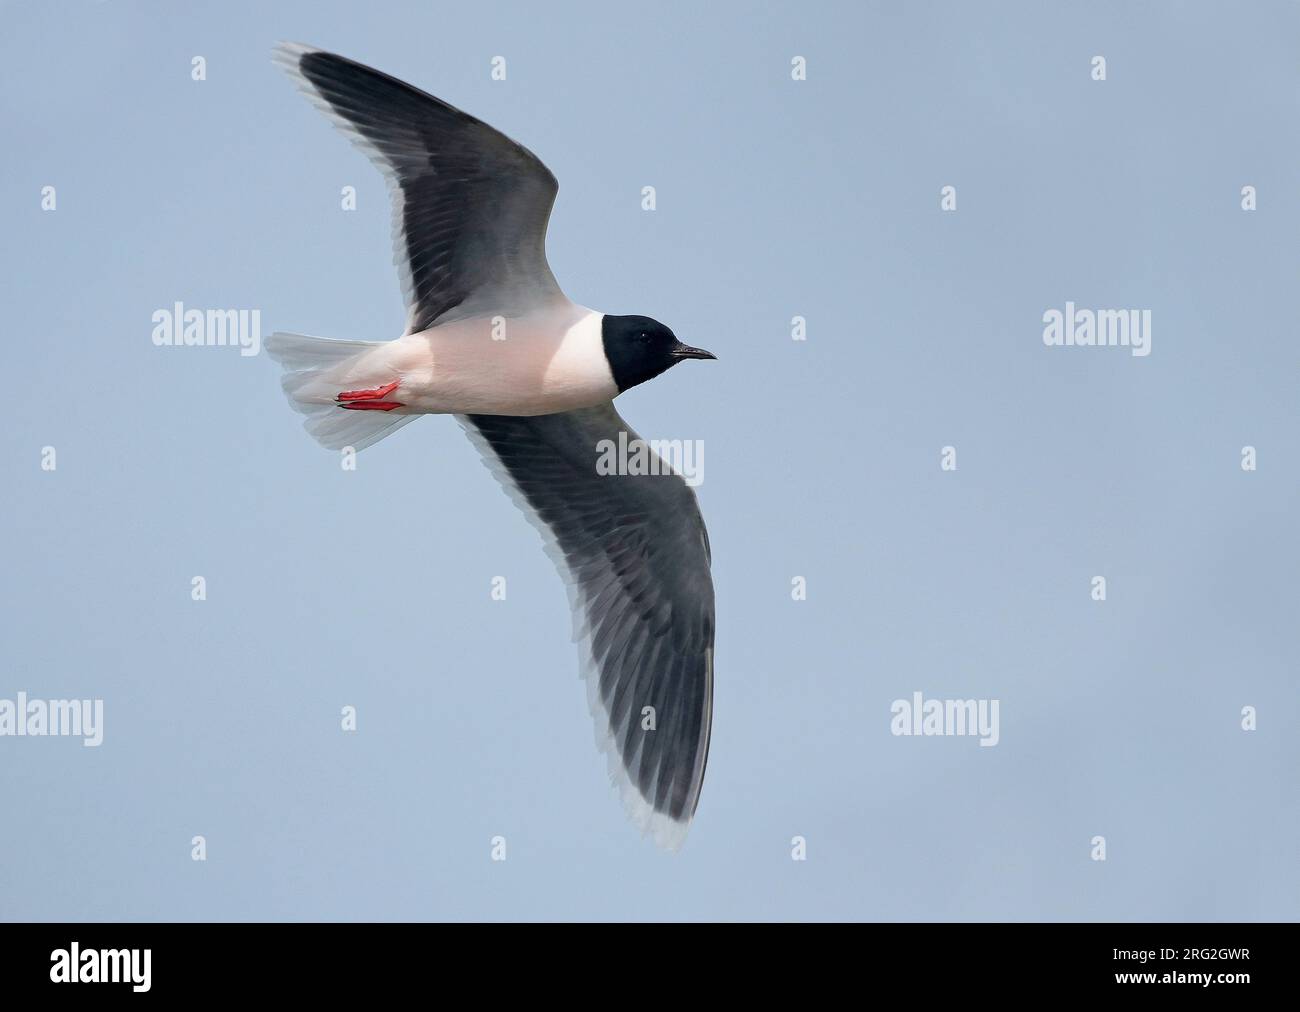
(667, 833)
(290, 54)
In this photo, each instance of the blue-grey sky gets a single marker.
(776, 198)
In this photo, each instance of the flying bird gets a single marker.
(492, 340)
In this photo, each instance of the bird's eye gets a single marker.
(643, 337)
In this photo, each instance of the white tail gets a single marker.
(315, 370)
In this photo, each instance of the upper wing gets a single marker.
(470, 206)
(635, 556)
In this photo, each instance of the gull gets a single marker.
(531, 377)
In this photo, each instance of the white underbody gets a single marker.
(550, 360)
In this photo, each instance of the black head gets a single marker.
(639, 348)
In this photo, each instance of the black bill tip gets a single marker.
(686, 351)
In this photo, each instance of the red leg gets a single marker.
(369, 400)
(375, 394)
(371, 405)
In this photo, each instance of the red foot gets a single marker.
(372, 405)
(376, 394)
(369, 400)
